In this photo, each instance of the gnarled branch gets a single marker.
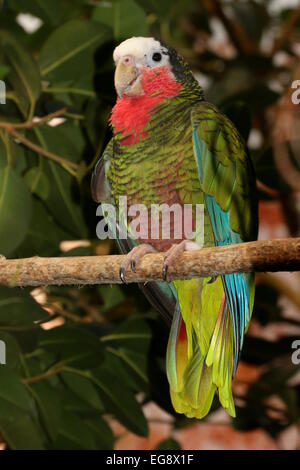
(260, 256)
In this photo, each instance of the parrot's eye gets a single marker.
(157, 56)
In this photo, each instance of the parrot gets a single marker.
(170, 146)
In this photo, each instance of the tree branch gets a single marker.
(11, 127)
(40, 150)
(285, 129)
(235, 31)
(71, 90)
(286, 30)
(260, 256)
(29, 124)
(56, 369)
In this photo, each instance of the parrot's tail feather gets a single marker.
(197, 369)
(177, 352)
(199, 387)
(191, 387)
(220, 357)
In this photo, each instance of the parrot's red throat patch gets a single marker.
(131, 113)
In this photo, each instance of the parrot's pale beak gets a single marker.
(128, 80)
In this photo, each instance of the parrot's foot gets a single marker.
(133, 257)
(176, 250)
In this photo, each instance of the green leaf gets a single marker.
(64, 209)
(43, 235)
(66, 140)
(120, 401)
(3, 155)
(73, 434)
(18, 429)
(124, 373)
(116, 15)
(76, 405)
(69, 51)
(13, 391)
(26, 338)
(37, 182)
(133, 338)
(74, 139)
(49, 405)
(83, 388)
(49, 12)
(112, 295)
(4, 70)
(12, 351)
(60, 201)
(75, 347)
(24, 76)
(162, 9)
(17, 157)
(15, 210)
(169, 444)
(17, 307)
(96, 113)
(102, 433)
(137, 364)
(134, 334)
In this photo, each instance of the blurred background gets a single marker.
(61, 387)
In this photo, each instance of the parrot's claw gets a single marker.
(122, 274)
(212, 279)
(133, 257)
(133, 265)
(176, 250)
(165, 272)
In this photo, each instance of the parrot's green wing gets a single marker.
(161, 295)
(100, 187)
(227, 179)
(208, 331)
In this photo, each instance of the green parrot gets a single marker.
(170, 146)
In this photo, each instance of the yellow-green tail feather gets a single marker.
(200, 349)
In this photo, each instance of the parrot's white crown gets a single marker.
(141, 49)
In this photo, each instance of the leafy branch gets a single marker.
(11, 129)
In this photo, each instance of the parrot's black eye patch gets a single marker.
(157, 56)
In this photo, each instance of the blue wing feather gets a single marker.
(236, 285)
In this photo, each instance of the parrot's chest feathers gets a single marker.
(161, 164)
(131, 114)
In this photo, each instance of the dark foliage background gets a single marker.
(80, 359)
